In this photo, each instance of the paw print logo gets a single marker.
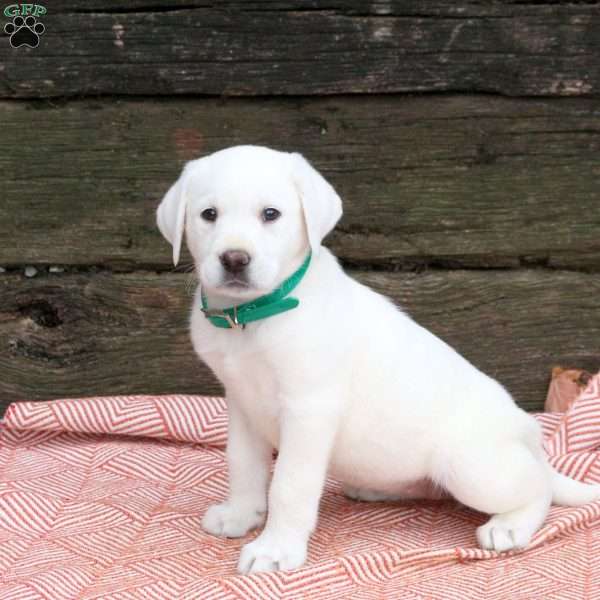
(24, 32)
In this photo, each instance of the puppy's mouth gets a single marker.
(240, 284)
(240, 289)
(236, 287)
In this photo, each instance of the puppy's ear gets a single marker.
(170, 215)
(321, 205)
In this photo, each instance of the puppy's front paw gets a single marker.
(229, 520)
(267, 553)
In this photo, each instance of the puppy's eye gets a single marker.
(270, 214)
(209, 214)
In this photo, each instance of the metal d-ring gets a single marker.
(232, 322)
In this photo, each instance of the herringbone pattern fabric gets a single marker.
(102, 498)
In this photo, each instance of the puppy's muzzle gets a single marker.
(235, 261)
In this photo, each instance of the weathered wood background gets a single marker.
(477, 209)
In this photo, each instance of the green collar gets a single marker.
(266, 306)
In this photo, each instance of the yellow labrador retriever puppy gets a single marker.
(332, 374)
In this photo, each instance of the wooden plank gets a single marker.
(96, 334)
(351, 7)
(102, 333)
(262, 48)
(452, 180)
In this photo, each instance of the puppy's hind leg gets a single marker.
(505, 480)
(513, 529)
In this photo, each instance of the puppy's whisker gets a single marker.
(191, 281)
(185, 268)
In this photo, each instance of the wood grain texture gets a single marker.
(81, 334)
(289, 48)
(454, 180)
(466, 8)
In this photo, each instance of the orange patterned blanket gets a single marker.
(101, 498)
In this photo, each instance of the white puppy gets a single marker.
(342, 382)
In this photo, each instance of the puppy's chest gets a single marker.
(250, 380)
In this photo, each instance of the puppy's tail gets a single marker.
(565, 491)
(569, 492)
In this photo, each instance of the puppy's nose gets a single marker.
(234, 261)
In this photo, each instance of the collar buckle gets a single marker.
(232, 321)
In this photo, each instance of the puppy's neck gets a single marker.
(223, 301)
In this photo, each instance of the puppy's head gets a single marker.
(250, 215)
